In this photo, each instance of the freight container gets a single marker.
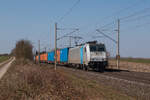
(64, 55)
(43, 57)
(51, 56)
(58, 55)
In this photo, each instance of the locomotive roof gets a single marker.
(90, 42)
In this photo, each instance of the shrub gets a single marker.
(23, 50)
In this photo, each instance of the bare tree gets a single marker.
(23, 50)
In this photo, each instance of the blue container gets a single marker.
(51, 56)
(64, 55)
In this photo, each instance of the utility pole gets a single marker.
(45, 49)
(50, 36)
(39, 50)
(70, 40)
(55, 45)
(118, 44)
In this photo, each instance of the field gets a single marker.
(27, 81)
(132, 64)
(136, 60)
(3, 58)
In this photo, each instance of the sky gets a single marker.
(34, 20)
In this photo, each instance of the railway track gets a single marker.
(138, 77)
(130, 76)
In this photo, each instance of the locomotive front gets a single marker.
(98, 56)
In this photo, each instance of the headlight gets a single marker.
(98, 59)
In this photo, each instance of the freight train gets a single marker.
(91, 55)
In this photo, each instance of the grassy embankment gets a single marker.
(95, 90)
(34, 82)
(4, 58)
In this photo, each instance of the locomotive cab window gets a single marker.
(97, 48)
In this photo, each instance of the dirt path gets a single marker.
(4, 68)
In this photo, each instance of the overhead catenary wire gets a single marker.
(67, 28)
(137, 18)
(119, 12)
(106, 36)
(111, 23)
(69, 11)
(129, 7)
(62, 17)
(123, 9)
(136, 26)
(122, 17)
(67, 34)
(135, 13)
(130, 16)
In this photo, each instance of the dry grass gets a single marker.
(31, 82)
(93, 89)
(131, 66)
(27, 81)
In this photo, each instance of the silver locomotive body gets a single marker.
(89, 55)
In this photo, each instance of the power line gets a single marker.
(67, 34)
(127, 8)
(67, 28)
(136, 13)
(118, 12)
(129, 16)
(70, 10)
(89, 33)
(133, 5)
(126, 17)
(137, 18)
(106, 35)
(111, 23)
(137, 26)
